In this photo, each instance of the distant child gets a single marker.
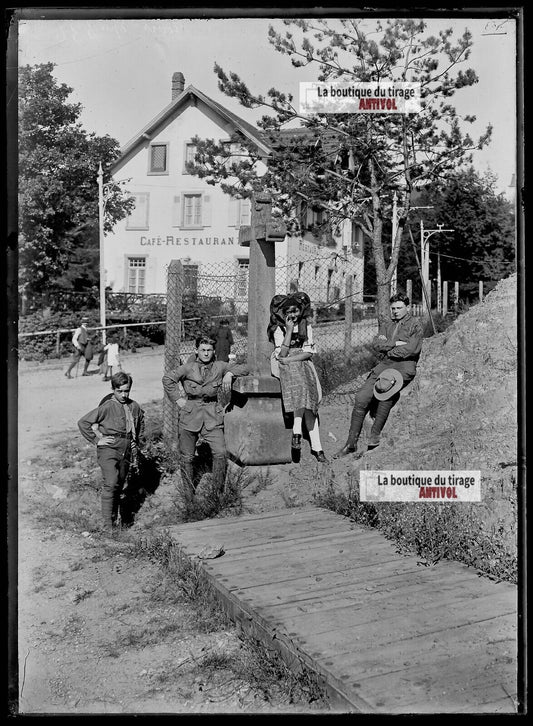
(113, 358)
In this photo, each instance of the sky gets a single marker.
(121, 70)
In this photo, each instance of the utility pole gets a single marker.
(425, 234)
(394, 278)
(101, 242)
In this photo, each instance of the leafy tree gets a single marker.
(482, 245)
(58, 197)
(350, 164)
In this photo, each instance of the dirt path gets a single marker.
(100, 629)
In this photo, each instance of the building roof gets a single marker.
(175, 107)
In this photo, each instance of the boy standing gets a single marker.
(116, 427)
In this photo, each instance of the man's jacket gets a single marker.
(409, 331)
(201, 407)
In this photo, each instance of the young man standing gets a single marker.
(201, 412)
(79, 341)
(116, 427)
(398, 345)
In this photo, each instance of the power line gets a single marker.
(472, 259)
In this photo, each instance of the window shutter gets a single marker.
(176, 212)
(233, 212)
(206, 210)
(245, 219)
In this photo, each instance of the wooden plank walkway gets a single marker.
(384, 633)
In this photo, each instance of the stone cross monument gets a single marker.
(255, 428)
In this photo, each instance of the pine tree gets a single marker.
(350, 164)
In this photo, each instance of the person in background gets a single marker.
(112, 351)
(223, 340)
(116, 427)
(398, 345)
(80, 339)
(201, 412)
(301, 393)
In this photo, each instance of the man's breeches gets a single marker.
(115, 464)
(214, 438)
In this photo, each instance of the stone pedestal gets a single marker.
(255, 429)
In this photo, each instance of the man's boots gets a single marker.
(356, 424)
(382, 414)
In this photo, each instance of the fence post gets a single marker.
(124, 335)
(172, 348)
(348, 314)
(445, 297)
(456, 297)
(481, 291)
(409, 290)
(58, 336)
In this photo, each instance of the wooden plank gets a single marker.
(361, 594)
(294, 588)
(393, 619)
(377, 634)
(298, 561)
(249, 536)
(320, 538)
(431, 688)
(495, 638)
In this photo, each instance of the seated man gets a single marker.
(201, 412)
(398, 344)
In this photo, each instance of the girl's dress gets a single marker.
(300, 387)
(113, 355)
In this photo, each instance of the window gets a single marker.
(192, 210)
(241, 286)
(317, 216)
(138, 218)
(158, 159)
(239, 211)
(136, 274)
(190, 151)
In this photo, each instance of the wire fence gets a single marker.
(344, 315)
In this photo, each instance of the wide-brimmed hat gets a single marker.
(389, 382)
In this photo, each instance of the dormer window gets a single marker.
(158, 159)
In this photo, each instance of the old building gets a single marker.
(179, 216)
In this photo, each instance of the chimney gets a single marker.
(178, 84)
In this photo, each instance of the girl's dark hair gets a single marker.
(120, 379)
(279, 304)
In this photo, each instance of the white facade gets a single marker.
(177, 215)
(180, 216)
